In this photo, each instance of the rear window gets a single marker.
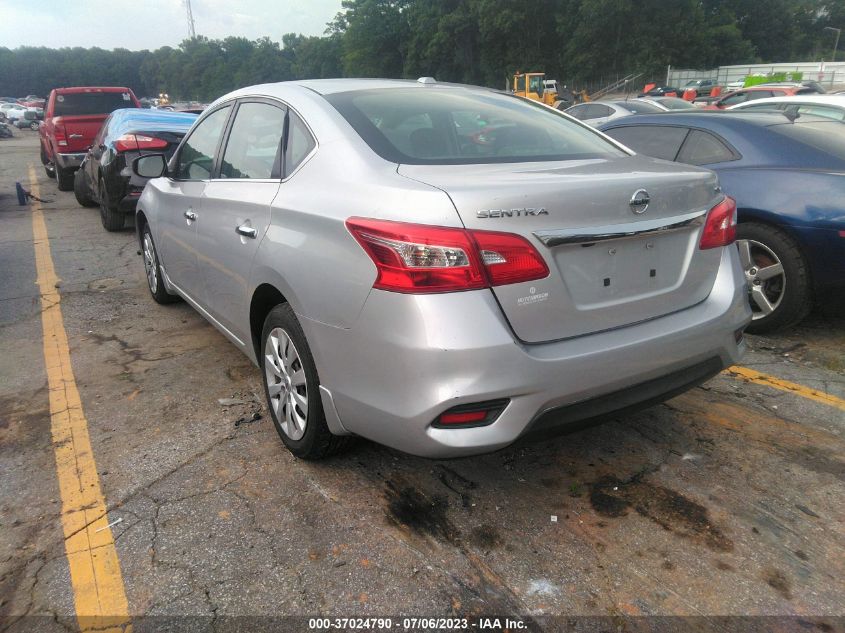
(455, 126)
(825, 136)
(640, 107)
(80, 103)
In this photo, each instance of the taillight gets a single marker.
(60, 135)
(720, 226)
(418, 258)
(135, 142)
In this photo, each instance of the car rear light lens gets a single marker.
(135, 142)
(720, 226)
(509, 258)
(418, 258)
(61, 136)
(470, 415)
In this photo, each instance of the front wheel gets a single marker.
(292, 388)
(153, 269)
(34, 125)
(779, 285)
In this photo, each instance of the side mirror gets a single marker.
(150, 166)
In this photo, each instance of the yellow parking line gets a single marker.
(784, 385)
(98, 592)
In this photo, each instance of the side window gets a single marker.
(598, 111)
(837, 114)
(763, 94)
(657, 141)
(254, 144)
(298, 144)
(737, 97)
(196, 158)
(703, 148)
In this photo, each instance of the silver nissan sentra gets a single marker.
(440, 268)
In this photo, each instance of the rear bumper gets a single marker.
(70, 160)
(408, 358)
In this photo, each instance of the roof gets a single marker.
(333, 86)
(815, 99)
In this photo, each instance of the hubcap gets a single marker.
(765, 276)
(286, 383)
(150, 263)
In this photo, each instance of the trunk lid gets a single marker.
(80, 130)
(609, 266)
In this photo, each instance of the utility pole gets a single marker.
(836, 45)
(190, 18)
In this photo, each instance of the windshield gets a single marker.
(81, 103)
(459, 126)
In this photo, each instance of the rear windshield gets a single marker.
(457, 126)
(78, 103)
(825, 136)
(640, 107)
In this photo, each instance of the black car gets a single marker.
(662, 91)
(105, 176)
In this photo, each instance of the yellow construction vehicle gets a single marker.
(536, 87)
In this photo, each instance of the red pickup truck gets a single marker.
(72, 118)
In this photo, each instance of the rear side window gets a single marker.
(657, 141)
(738, 97)
(764, 94)
(579, 112)
(81, 103)
(196, 158)
(703, 148)
(299, 144)
(597, 111)
(439, 126)
(254, 146)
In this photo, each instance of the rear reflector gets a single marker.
(418, 258)
(720, 226)
(470, 415)
(135, 142)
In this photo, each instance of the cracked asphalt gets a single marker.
(727, 500)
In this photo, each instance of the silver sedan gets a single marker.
(439, 268)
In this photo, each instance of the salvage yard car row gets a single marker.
(308, 268)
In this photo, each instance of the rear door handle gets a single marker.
(190, 215)
(247, 231)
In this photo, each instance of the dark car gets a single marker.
(788, 178)
(105, 176)
(662, 91)
(702, 87)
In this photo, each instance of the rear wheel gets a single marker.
(292, 387)
(779, 284)
(112, 218)
(81, 191)
(65, 178)
(34, 125)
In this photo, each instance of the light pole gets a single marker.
(836, 45)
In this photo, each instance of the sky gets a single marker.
(150, 24)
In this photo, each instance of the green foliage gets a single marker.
(471, 41)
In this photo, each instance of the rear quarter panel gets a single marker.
(809, 205)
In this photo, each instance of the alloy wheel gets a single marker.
(287, 386)
(765, 276)
(150, 263)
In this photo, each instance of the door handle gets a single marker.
(190, 215)
(247, 231)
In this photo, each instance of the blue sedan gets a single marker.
(788, 178)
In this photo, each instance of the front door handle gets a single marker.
(190, 215)
(247, 231)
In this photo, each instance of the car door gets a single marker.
(236, 210)
(180, 202)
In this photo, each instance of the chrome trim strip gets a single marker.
(619, 231)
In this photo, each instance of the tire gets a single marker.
(780, 287)
(48, 166)
(34, 125)
(80, 190)
(285, 359)
(112, 218)
(65, 179)
(152, 268)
